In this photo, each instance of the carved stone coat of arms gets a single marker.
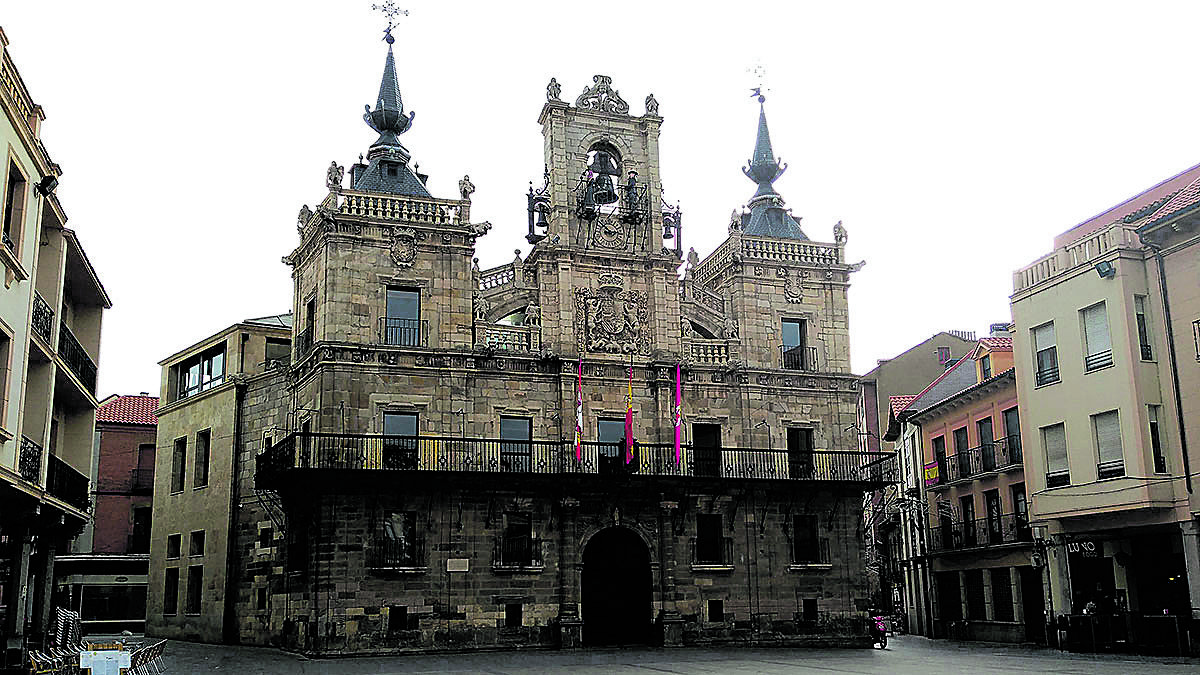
(610, 319)
(404, 247)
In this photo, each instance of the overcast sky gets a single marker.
(953, 140)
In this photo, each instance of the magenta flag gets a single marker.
(629, 416)
(678, 412)
(579, 414)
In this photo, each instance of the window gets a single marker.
(716, 611)
(810, 609)
(14, 208)
(966, 507)
(1143, 327)
(178, 463)
(174, 542)
(611, 434)
(397, 618)
(278, 350)
(1020, 504)
(143, 479)
(1002, 594)
(709, 542)
(402, 325)
(944, 356)
(201, 373)
(398, 545)
(1196, 337)
(991, 506)
(1012, 434)
(196, 547)
(171, 591)
(1097, 341)
(1160, 461)
(203, 440)
(5, 368)
(195, 583)
(795, 338)
(1111, 459)
(517, 545)
(800, 452)
(266, 537)
(961, 455)
(987, 447)
(1054, 443)
(139, 539)
(1045, 355)
(400, 444)
(261, 601)
(807, 547)
(512, 615)
(976, 600)
(304, 339)
(939, 455)
(985, 366)
(516, 452)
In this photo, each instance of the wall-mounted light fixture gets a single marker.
(1106, 269)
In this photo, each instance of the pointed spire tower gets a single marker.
(767, 217)
(387, 169)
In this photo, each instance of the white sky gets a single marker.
(954, 140)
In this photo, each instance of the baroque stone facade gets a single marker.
(411, 481)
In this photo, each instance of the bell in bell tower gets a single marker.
(602, 190)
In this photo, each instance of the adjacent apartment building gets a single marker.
(51, 304)
(458, 458)
(1107, 355)
(103, 577)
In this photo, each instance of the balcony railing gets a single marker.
(1047, 376)
(995, 456)
(304, 343)
(30, 463)
(1011, 528)
(142, 480)
(64, 482)
(7, 241)
(388, 553)
(811, 552)
(403, 332)
(1098, 360)
(712, 551)
(798, 358)
(43, 317)
(517, 552)
(77, 358)
(511, 338)
(363, 452)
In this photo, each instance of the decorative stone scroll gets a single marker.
(610, 319)
(404, 247)
(602, 97)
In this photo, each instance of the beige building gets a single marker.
(194, 481)
(1101, 377)
(51, 304)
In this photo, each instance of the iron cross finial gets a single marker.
(391, 11)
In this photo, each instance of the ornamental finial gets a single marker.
(391, 11)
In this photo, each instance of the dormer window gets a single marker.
(391, 170)
(985, 366)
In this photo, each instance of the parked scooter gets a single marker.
(878, 630)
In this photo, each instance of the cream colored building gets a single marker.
(51, 304)
(1107, 473)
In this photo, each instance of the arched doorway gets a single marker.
(617, 589)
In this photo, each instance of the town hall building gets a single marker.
(580, 447)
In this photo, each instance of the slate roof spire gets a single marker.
(767, 216)
(388, 116)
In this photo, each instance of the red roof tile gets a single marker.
(128, 410)
(997, 344)
(1131, 205)
(1183, 200)
(899, 402)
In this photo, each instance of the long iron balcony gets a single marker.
(999, 455)
(1009, 528)
(303, 453)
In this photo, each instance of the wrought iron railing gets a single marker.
(8, 242)
(798, 357)
(1047, 376)
(403, 332)
(366, 452)
(712, 551)
(304, 342)
(76, 358)
(1009, 528)
(517, 552)
(994, 456)
(142, 479)
(43, 317)
(811, 552)
(389, 553)
(1098, 360)
(30, 462)
(69, 485)
(1058, 479)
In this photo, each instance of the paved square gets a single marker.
(904, 655)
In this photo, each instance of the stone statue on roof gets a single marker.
(839, 234)
(651, 105)
(333, 176)
(466, 188)
(553, 90)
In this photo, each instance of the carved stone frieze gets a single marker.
(611, 319)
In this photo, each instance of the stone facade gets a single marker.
(483, 523)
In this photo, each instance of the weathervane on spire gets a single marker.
(759, 71)
(391, 11)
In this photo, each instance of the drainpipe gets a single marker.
(1162, 284)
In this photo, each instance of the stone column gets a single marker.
(669, 619)
(1190, 531)
(570, 625)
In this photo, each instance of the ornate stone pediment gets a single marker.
(602, 97)
(610, 319)
(404, 246)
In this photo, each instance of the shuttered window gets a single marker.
(1107, 427)
(1096, 337)
(1045, 354)
(1054, 441)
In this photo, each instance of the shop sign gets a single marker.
(1084, 548)
(931, 473)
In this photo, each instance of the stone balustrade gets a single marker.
(1080, 252)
